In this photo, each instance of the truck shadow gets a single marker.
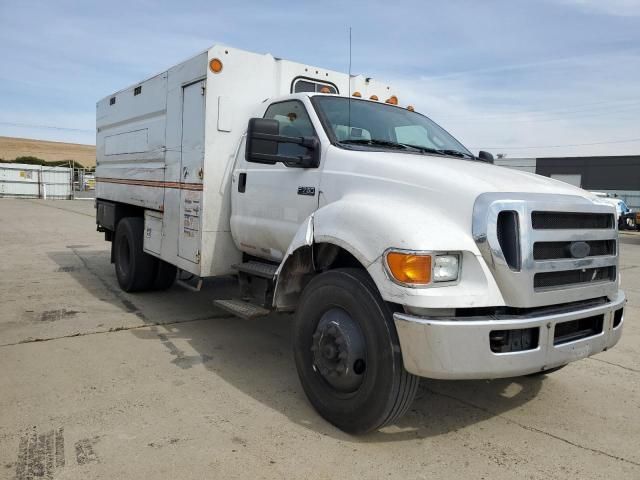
(255, 357)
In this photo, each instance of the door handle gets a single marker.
(242, 182)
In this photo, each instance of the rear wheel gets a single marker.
(165, 275)
(136, 270)
(348, 355)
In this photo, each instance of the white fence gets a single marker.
(19, 180)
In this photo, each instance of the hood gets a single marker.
(448, 175)
(430, 199)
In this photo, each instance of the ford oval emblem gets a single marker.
(579, 249)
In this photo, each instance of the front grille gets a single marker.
(566, 278)
(547, 249)
(573, 330)
(570, 220)
(559, 250)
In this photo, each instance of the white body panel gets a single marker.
(146, 138)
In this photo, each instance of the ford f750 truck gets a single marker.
(400, 253)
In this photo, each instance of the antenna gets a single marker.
(349, 92)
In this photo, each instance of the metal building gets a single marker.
(615, 175)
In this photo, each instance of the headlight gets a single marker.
(445, 268)
(420, 269)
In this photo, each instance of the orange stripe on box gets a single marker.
(152, 183)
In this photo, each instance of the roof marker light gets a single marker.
(215, 65)
(392, 100)
(373, 97)
(410, 108)
(356, 94)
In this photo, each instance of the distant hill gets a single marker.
(11, 148)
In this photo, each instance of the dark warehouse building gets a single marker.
(615, 175)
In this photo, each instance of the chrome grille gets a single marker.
(558, 250)
(570, 220)
(573, 277)
(567, 247)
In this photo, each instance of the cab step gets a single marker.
(242, 308)
(258, 269)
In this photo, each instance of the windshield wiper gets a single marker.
(387, 143)
(445, 151)
(376, 142)
(457, 153)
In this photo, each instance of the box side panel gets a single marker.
(178, 77)
(130, 143)
(152, 240)
(234, 95)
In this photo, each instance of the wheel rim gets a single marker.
(339, 351)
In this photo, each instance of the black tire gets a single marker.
(546, 372)
(386, 390)
(136, 270)
(165, 275)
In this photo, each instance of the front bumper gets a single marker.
(459, 348)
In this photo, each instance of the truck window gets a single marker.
(294, 122)
(417, 135)
(312, 86)
(348, 121)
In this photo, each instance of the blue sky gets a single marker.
(527, 78)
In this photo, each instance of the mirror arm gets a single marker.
(280, 138)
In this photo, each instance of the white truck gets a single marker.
(401, 254)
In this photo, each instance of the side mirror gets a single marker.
(485, 156)
(263, 140)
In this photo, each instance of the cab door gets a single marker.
(270, 202)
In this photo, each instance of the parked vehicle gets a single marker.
(625, 217)
(325, 197)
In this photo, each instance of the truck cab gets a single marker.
(399, 252)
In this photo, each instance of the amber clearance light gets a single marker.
(215, 65)
(410, 268)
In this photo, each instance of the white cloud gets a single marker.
(540, 112)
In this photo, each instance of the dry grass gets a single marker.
(11, 148)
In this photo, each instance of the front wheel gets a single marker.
(348, 355)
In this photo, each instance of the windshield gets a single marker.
(383, 126)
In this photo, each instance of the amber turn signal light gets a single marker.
(410, 268)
